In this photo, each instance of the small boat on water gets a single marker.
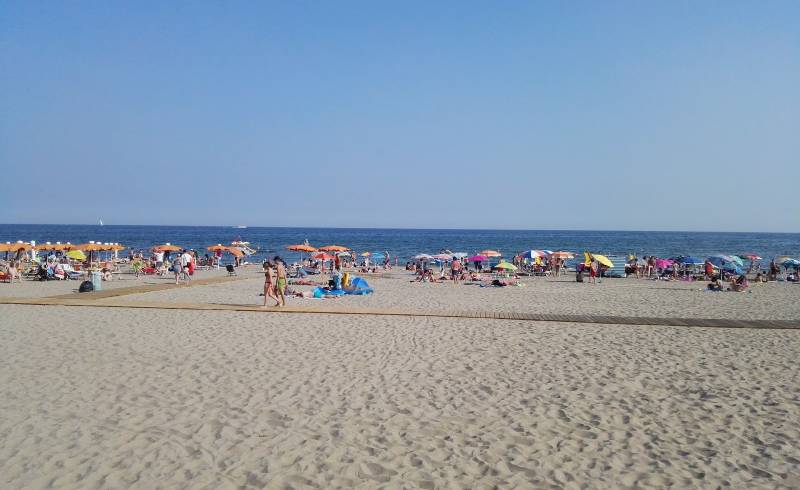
(241, 227)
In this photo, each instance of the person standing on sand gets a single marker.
(280, 281)
(593, 271)
(455, 270)
(269, 283)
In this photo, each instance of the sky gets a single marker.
(520, 115)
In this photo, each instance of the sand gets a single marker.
(141, 398)
(613, 297)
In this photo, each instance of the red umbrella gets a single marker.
(323, 256)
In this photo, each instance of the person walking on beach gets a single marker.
(280, 281)
(177, 268)
(269, 283)
(185, 260)
(593, 271)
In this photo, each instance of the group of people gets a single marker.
(275, 281)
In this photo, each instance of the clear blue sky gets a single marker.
(568, 115)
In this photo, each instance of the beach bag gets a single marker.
(86, 287)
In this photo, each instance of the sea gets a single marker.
(405, 243)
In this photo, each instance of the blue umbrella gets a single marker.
(691, 261)
(791, 263)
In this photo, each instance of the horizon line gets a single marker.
(405, 228)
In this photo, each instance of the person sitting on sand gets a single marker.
(739, 284)
(715, 284)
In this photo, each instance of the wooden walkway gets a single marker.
(90, 300)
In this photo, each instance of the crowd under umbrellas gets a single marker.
(686, 267)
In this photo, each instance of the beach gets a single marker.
(176, 397)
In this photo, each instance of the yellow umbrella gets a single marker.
(366, 254)
(603, 260)
(76, 254)
(506, 265)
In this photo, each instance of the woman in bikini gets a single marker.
(269, 284)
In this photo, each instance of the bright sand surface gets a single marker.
(156, 398)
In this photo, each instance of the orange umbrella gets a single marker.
(15, 247)
(48, 246)
(217, 247)
(4, 247)
(323, 256)
(167, 247)
(334, 248)
(490, 253)
(117, 247)
(562, 255)
(236, 252)
(301, 248)
(90, 247)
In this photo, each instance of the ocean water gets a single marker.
(405, 243)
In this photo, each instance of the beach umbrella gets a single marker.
(76, 254)
(603, 260)
(460, 255)
(562, 255)
(662, 263)
(442, 257)
(323, 256)
(750, 256)
(691, 261)
(736, 260)
(532, 254)
(506, 266)
(92, 247)
(16, 247)
(333, 248)
(167, 247)
(366, 254)
(790, 263)
(235, 252)
(422, 257)
(302, 247)
(478, 258)
(216, 248)
(46, 246)
(490, 253)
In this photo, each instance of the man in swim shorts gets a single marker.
(280, 280)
